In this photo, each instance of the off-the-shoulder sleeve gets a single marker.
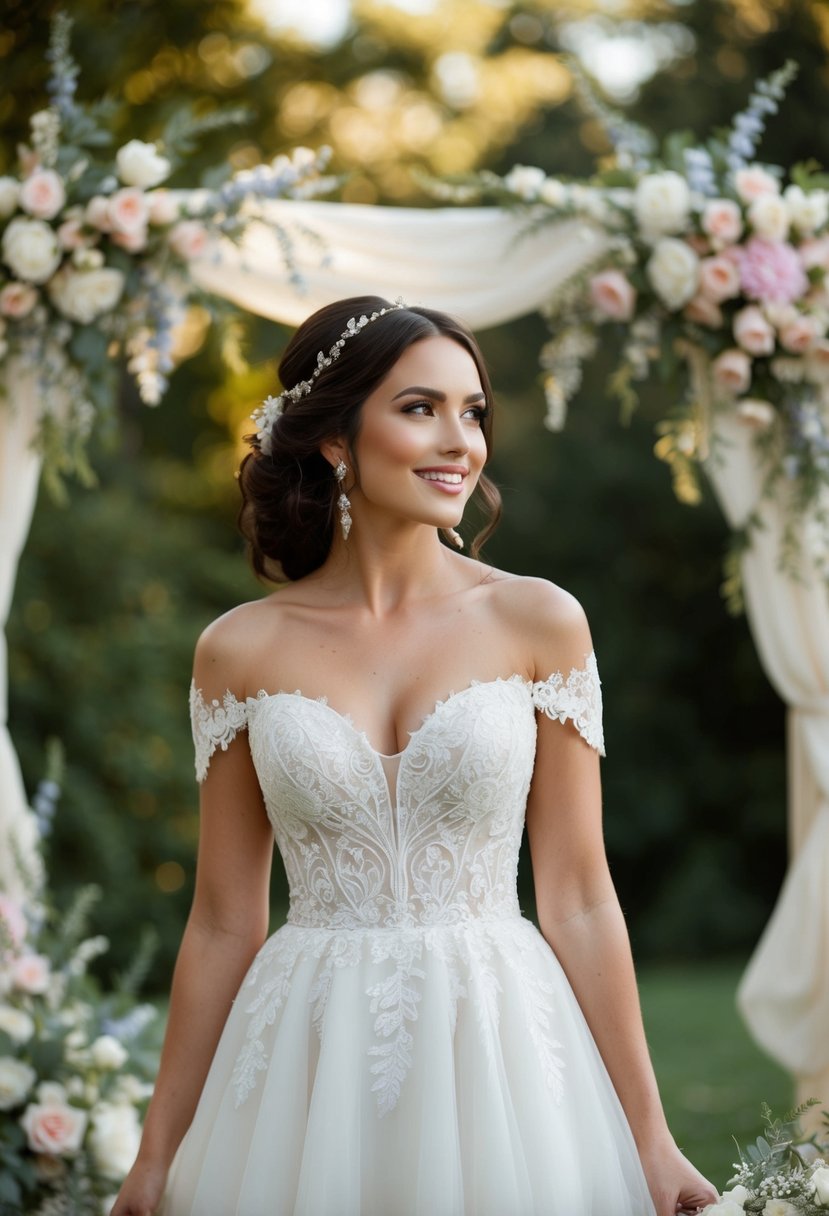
(578, 697)
(214, 725)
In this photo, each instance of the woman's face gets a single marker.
(421, 446)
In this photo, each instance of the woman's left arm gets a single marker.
(579, 912)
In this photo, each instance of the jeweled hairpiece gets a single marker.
(272, 407)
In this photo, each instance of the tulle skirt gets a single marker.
(438, 1071)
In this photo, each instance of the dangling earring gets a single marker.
(454, 536)
(343, 503)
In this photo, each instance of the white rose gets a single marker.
(139, 164)
(9, 196)
(42, 194)
(50, 1093)
(756, 413)
(54, 1128)
(808, 212)
(525, 180)
(673, 272)
(737, 1194)
(553, 192)
(84, 295)
(107, 1052)
(31, 249)
(820, 1181)
(725, 1207)
(661, 203)
(128, 1088)
(16, 1023)
(16, 1079)
(769, 217)
(115, 1136)
(780, 1207)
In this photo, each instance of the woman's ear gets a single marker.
(334, 450)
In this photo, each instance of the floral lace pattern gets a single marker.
(392, 879)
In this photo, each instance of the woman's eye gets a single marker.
(479, 412)
(417, 406)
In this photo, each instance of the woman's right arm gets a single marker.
(228, 923)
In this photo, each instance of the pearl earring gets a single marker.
(343, 503)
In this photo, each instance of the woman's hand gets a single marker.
(675, 1185)
(141, 1191)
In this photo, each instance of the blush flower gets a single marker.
(127, 210)
(54, 1128)
(704, 312)
(732, 370)
(723, 222)
(613, 295)
(17, 300)
(719, 279)
(753, 332)
(42, 194)
(771, 270)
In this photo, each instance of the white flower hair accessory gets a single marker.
(272, 407)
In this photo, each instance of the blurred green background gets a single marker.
(115, 587)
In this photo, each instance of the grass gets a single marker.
(711, 1075)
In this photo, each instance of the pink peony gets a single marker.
(188, 239)
(723, 222)
(127, 210)
(613, 295)
(704, 312)
(54, 1127)
(732, 370)
(719, 279)
(800, 334)
(753, 332)
(771, 270)
(42, 194)
(17, 300)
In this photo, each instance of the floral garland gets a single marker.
(710, 261)
(95, 254)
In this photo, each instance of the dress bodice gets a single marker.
(428, 836)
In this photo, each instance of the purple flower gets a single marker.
(771, 270)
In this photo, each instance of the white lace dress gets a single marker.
(407, 1043)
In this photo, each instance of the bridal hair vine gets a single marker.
(272, 407)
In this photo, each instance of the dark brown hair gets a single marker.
(289, 496)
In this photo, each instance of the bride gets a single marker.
(407, 1043)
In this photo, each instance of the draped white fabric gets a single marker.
(476, 263)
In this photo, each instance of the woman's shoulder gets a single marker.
(548, 618)
(230, 647)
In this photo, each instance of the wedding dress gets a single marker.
(407, 1043)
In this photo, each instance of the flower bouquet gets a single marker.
(711, 262)
(94, 252)
(75, 1067)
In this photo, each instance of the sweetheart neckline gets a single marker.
(263, 695)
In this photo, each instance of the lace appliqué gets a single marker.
(214, 725)
(578, 697)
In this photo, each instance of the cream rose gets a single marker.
(673, 272)
(107, 1052)
(779, 1207)
(613, 295)
(42, 194)
(719, 279)
(188, 239)
(814, 251)
(84, 295)
(31, 250)
(704, 312)
(756, 413)
(70, 233)
(722, 220)
(732, 370)
(127, 210)
(9, 196)
(808, 212)
(31, 973)
(753, 181)
(97, 213)
(525, 180)
(769, 217)
(115, 1137)
(661, 203)
(725, 1207)
(140, 164)
(16, 1079)
(17, 1024)
(55, 1128)
(800, 334)
(553, 192)
(163, 207)
(820, 1181)
(753, 332)
(133, 242)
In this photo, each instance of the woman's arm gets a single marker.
(579, 912)
(228, 922)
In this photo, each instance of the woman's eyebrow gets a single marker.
(435, 393)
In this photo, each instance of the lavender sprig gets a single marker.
(634, 145)
(63, 80)
(749, 124)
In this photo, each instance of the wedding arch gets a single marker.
(487, 264)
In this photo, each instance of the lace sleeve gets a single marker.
(214, 725)
(578, 697)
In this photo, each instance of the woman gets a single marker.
(407, 1044)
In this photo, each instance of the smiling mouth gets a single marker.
(452, 479)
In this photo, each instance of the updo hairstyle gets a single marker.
(289, 496)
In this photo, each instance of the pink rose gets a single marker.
(613, 295)
(97, 213)
(732, 370)
(30, 972)
(54, 1127)
(17, 300)
(753, 181)
(723, 222)
(42, 194)
(814, 252)
(719, 279)
(70, 234)
(800, 334)
(188, 239)
(127, 210)
(163, 207)
(133, 242)
(11, 912)
(753, 332)
(704, 312)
